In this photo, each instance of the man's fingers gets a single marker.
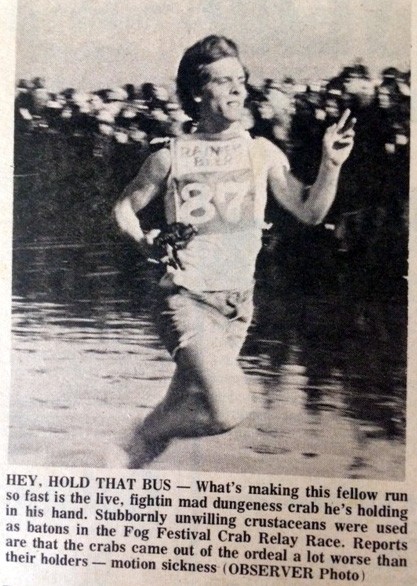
(348, 135)
(343, 119)
(339, 135)
(342, 144)
(177, 259)
(349, 126)
(151, 235)
(168, 261)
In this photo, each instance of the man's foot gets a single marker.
(142, 450)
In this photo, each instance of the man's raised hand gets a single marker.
(338, 140)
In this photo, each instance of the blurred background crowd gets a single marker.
(93, 143)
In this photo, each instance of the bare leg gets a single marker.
(182, 412)
(207, 395)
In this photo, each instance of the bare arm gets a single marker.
(147, 185)
(288, 191)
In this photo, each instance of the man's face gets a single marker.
(367, 92)
(281, 103)
(362, 88)
(223, 95)
(266, 111)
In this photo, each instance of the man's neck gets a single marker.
(220, 129)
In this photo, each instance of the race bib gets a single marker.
(214, 184)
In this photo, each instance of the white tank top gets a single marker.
(219, 186)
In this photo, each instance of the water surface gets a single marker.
(326, 372)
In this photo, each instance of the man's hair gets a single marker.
(191, 75)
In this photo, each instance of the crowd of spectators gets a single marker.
(124, 114)
(371, 209)
(288, 113)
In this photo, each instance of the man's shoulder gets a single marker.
(158, 163)
(160, 142)
(270, 152)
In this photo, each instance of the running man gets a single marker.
(215, 181)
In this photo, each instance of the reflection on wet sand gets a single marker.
(327, 374)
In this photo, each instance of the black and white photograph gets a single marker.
(210, 236)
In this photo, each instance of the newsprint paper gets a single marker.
(294, 464)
